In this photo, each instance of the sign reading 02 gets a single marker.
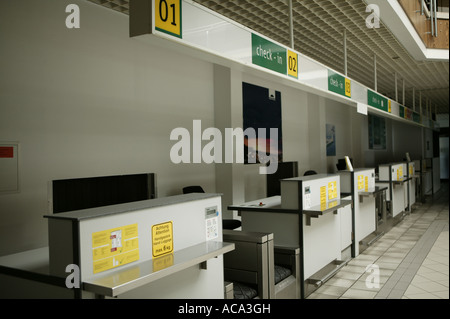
(292, 64)
(168, 17)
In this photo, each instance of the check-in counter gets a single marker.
(366, 218)
(166, 248)
(428, 176)
(420, 173)
(412, 178)
(305, 216)
(392, 177)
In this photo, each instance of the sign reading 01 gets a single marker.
(168, 17)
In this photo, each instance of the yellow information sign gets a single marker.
(332, 190)
(323, 197)
(115, 247)
(366, 184)
(162, 239)
(390, 106)
(168, 17)
(400, 173)
(360, 182)
(293, 64)
(348, 87)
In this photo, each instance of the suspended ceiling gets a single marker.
(318, 33)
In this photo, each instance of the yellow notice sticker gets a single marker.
(360, 182)
(366, 186)
(323, 197)
(400, 173)
(115, 247)
(293, 64)
(162, 239)
(168, 17)
(332, 190)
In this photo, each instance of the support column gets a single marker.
(420, 102)
(375, 80)
(396, 86)
(345, 53)
(230, 178)
(403, 93)
(291, 24)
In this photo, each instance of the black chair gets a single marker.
(230, 224)
(342, 164)
(309, 173)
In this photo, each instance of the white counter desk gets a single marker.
(305, 216)
(161, 248)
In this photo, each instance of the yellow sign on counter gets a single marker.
(162, 239)
(323, 197)
(360, 182)
(115, 247)
(332, 190)
(400, 173)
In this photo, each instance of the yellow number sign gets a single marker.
(168, 17)
(348, 87)
(293, 64)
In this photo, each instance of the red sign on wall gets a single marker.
(6, 152)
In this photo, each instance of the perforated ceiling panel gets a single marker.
(318, 33)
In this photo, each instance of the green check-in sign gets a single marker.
(339, 84)
(377, 101)
(269, 55)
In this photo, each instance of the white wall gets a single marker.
(89, 102)
(93, 102)
(340, 116)
(406, 139)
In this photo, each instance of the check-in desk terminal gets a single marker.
(368, 214)
(306, 216)
(166, 248)
(392, 177)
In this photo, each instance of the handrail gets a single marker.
(429, 8)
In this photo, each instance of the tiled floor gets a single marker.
(411, 261)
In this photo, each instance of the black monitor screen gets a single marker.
(83, 193)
